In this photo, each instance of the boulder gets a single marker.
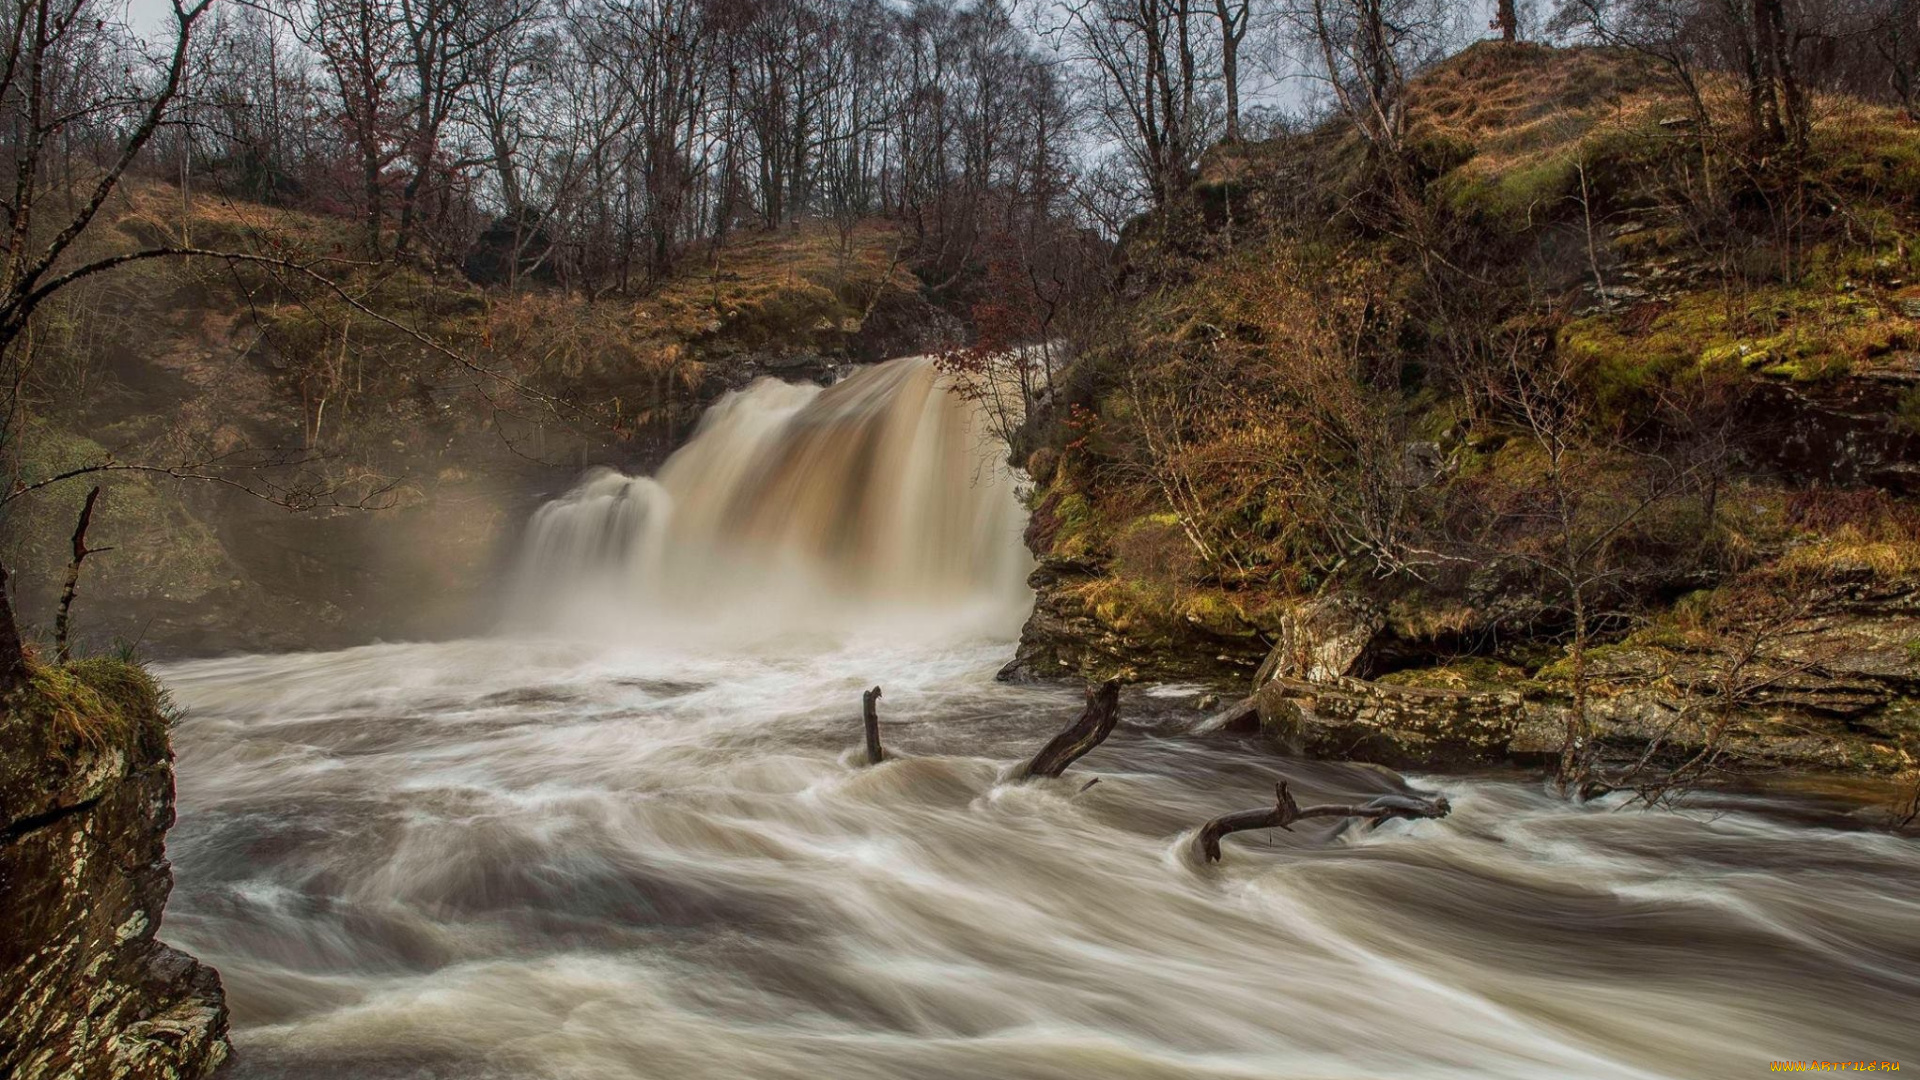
(1323, 640)
(1401, 727)
(86, 989)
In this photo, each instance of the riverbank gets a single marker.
(1511, 443)
(1818, 699)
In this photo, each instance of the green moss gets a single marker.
(1806, 334)
(100, 701)
(1515, 198)
(1216, 613)
(1074, 539)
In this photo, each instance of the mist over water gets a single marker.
(629, 837)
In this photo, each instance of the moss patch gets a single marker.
(100, 701)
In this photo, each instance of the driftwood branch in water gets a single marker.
(1089, 731)
(61, 644)
(1284, 812)
(871, 716)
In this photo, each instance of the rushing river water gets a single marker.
(650, 850)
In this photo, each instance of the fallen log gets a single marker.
(1081, 736)
(1284, 812)
(870, 714)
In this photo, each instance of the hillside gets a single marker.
(1591, 409)
(409, 417)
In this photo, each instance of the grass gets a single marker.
(1852, 550)
(809, 285)
(99, 702)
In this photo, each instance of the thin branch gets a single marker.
(61, 623)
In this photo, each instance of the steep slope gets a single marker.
(1587, 403)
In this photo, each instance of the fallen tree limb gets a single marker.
(1081, 736)
(1284, 812)
(871, 716)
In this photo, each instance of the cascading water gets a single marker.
(794, 507)
(636, 842)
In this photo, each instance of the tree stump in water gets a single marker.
(870, 714)
(1284, 812)
(1089, 731)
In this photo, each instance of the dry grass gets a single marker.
(809, 283)
(1843, 532)
(1518, 103)
(98, 702)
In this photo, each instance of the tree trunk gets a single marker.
(1574, 749)
(1231, 31)
(370, 179)
(13, 655)
(1508, 21)
(871, 717)
(1085, 733)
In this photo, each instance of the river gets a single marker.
(589, 847)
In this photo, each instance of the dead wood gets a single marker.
(870, 714)
(1284, 812)
(1081, 736)
(61, 643)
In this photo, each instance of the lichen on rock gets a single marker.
(86, 798)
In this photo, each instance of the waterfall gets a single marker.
(793, 507)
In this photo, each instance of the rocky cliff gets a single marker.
(1520, 448)
(86, 797)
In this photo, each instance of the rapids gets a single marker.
(629, 838)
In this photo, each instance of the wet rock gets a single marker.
(1397, 726)
(1844, 431)
(86, 990)
(1840, 691)
(1240, 718)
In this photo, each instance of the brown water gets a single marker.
(632, 839)
(496, 859)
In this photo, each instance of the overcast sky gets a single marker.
(1268, 79)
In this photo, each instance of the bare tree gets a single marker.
(1233, 16)
(1571, 526)
(361, 46)
(1147, 80)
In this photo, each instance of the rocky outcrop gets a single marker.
(1322, 640)
(1840, 693)
(86, 797)
(1402, 727)
(1066, 637)
(1845, 431)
